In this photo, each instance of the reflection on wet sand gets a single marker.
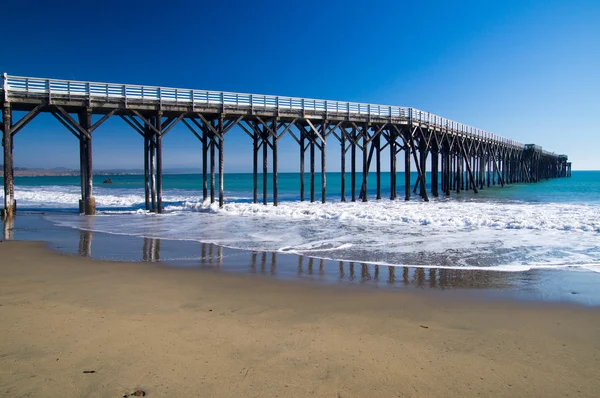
(7, 230)
(211, 256)
(209, 260)
(151, 250)
(85, 243)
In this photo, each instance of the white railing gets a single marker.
(179, 96)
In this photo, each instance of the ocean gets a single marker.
(551, 225)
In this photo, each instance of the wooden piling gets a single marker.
(353, 165)
(451, 171)
(146, 168)
(378, 164)
(365, 167)
(406, 171)
(302, 153)
(212, 167)
(324, 162)
(434, 172)
(265, 144)
(152, 172)
(7, 142)
(88, 201)
(423, 168)
(205, 145)
(158, 124)
(393, 172)
(255, 166)
(221, 161)
(343, 164)
(312, 167)
(275, 165)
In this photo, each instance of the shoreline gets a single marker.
(174, 331)
(537, 285)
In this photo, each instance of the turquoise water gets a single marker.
(57, 192)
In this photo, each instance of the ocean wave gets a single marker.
(440, 214)
(466, 234)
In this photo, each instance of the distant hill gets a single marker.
(63, 171)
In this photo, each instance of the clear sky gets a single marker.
(528, 70)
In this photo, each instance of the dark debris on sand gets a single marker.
(136, 393)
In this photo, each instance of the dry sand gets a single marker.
(190, 333)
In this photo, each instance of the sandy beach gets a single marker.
(178, 332)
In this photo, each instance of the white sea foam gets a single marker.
(445, 214)
(67, 197)
(440, 234)
(473, 234)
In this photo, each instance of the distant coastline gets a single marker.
(60, 172)
(23, 172)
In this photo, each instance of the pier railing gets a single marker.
(179, 96)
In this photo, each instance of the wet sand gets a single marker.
(186, 332)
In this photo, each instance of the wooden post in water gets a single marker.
(353, 165)
(458, 175)
(447, 171)
(443, 173)
(265, 144)
(221, 131)
(488, 167)
(323, 162)
(147, 167)
(205, 145)
(365, 166)
(302, 152)
(212, 166)
(451, 171)
(9, 181)
(312, 167)
(393, 174)
(423, 166)
(275, 176)
(254, 165)
(82, 177)
(407, 150)
(343, 164)
(152, 169)
(434, 171)
(158, 124)
(482, 164)
(88, 203)
(378, 164)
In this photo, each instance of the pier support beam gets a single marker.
(407, 150)
(275, 166)
(392, 146)
(82, 130)
(421, 167)
(265, 149)
(146, 170)
(87, 204)
(434, 171)
(221, 137)
(365, 167)
(343, 164)
(7, 143)
(302, 152)
(378, 164)
(159, 167)
(353, 162)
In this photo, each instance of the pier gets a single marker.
(459, 157)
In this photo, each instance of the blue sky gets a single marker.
(528, 70)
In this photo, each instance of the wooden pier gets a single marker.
(459, 157)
